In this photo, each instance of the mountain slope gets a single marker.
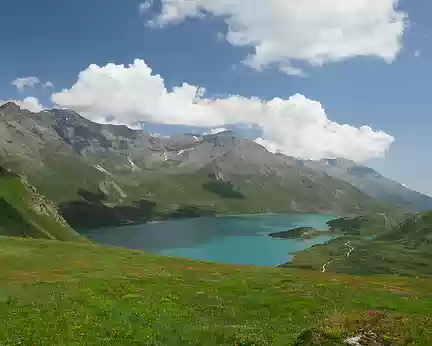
(415, 232)
(114, 175)
(373, 183)
(372, 245)
(25, 213)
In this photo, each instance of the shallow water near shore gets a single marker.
(240, 240)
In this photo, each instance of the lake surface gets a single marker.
(231, 239)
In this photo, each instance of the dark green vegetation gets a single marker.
(165, 191)
(223, 189)
(54, 293)
(372, 246)
(299, 233)
(25, 213)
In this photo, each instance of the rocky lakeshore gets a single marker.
(299, 233)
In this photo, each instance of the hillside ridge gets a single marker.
(115, 175)
(26, 213)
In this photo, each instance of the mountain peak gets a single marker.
(68, 117)
(10, 106)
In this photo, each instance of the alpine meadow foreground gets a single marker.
(61, 293)
(215, 173)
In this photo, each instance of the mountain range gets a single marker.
(101, 175)
(373, 183)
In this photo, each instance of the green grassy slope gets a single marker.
(371, 248)
(164, 193)
(57, 293)
(24, 213)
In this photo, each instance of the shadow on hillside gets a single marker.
(90, 212)
(223, 189)
(5, 173)
(12, 223)
(348, 225)
(190, 211)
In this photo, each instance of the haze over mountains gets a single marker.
(126, 175)
(373, 183)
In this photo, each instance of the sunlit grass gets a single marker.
(62, 293)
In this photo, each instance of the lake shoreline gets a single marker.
(127, 223)
(240, 240)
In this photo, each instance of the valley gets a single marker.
(215, 173)
(67, 183)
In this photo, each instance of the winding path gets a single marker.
(351, 248)
(325, 265)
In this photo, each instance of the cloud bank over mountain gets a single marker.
(296, 126)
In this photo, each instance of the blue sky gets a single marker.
(55, 40)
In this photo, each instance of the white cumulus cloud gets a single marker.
(48, 85)
(145, 6)
(25, 82)
(30, 103)
(283, 32)
(296, 126)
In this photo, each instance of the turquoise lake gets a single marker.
(232, 239)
